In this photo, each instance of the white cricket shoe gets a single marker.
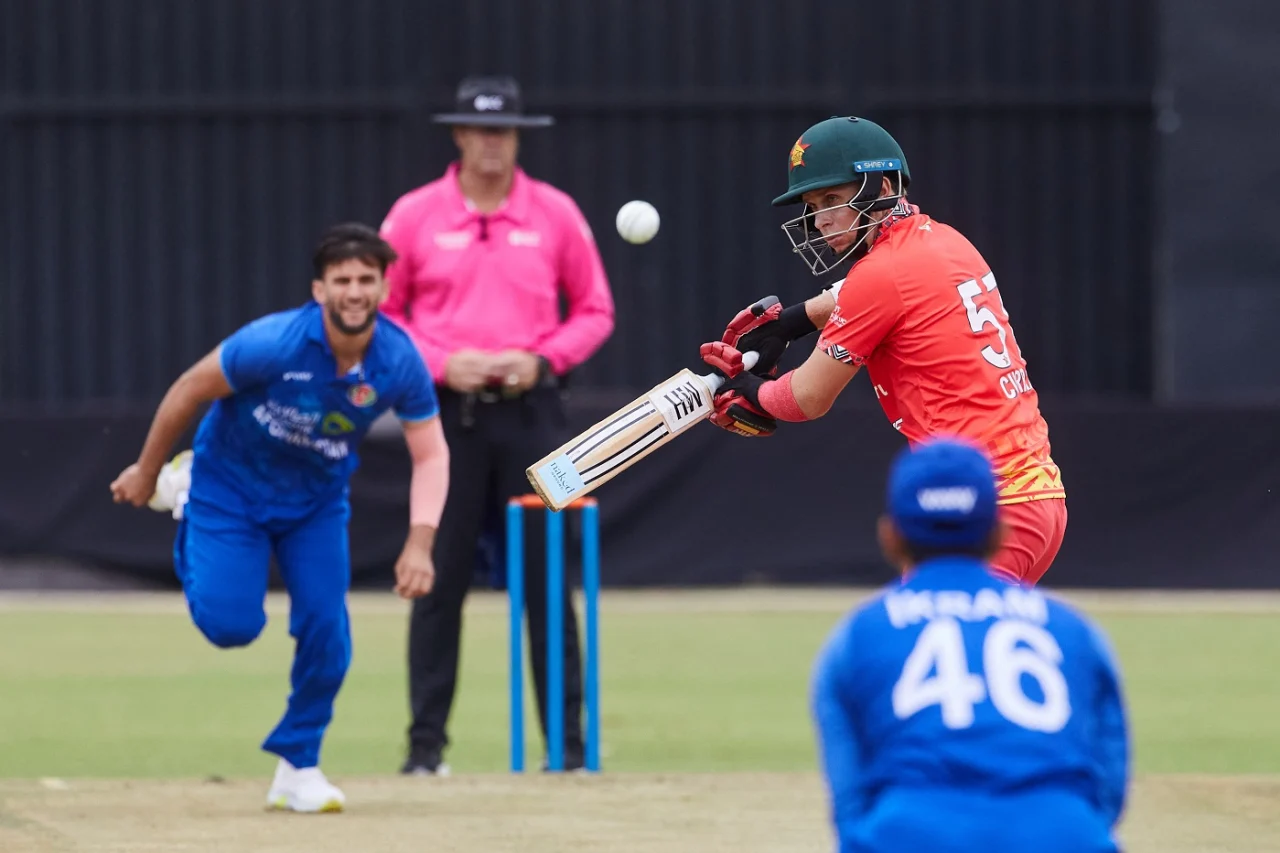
(305, 790)
(173, 485)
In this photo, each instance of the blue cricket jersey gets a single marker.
(955, 687)
(285, 441)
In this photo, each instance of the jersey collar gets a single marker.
(515, 207)
(316, 334)
(901, 212)
(940, 565)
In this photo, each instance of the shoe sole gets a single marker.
(442, 771)
(282, 805)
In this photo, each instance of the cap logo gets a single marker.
(949, 499)
(797, 153)
(486, 103)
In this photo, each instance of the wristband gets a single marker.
(779, 400)
(795, 322)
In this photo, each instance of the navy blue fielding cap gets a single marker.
(942, 493)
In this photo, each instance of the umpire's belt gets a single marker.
(493, 395)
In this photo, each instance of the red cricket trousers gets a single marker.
(1033, 535)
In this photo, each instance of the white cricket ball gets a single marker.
(637, 221)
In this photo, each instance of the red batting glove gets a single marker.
(737, 407)
(751, 319)
(767, 329)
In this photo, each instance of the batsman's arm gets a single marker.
(818, 309)
(806, 393)
(818, 382)
(809, 391)
(202, 383)
(803, 318)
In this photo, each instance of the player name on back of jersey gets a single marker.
(910, 607)
(1015, 382)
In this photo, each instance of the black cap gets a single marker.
(491, 102)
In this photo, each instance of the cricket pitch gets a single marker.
(638, 813)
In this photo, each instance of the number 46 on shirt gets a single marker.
(1011, 649)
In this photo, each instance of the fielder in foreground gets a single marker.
(920, 309)
(293, 394)
(957, 712)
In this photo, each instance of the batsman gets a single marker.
(920, 309)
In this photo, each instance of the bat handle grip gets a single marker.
(715, 380)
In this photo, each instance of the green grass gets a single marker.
(1203, 690)
(130, 692)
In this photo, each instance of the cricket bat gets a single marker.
(617, 442)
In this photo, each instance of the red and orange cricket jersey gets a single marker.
(922, 312)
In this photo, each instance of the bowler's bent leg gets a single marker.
(222, 557)
(316, 566)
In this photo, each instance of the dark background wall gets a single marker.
(168, 165)
(1220, 200)
(165, 166)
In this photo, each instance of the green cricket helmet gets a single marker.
(841, 150)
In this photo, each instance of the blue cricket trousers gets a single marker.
(222, 555)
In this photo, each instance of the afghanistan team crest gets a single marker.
(797, 153)
(362, 395)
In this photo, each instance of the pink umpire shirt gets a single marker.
(466, 280)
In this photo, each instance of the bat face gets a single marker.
(619, 441)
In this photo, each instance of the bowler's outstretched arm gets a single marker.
(202, 383)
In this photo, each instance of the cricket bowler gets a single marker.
(293, 394)
(920, 309)
(957, 712)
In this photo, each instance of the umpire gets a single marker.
(487, 254)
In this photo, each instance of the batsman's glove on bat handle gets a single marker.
(737, 404)
(767, 329)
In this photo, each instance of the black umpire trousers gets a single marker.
(490, 446)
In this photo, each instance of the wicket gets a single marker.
(589, 513)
